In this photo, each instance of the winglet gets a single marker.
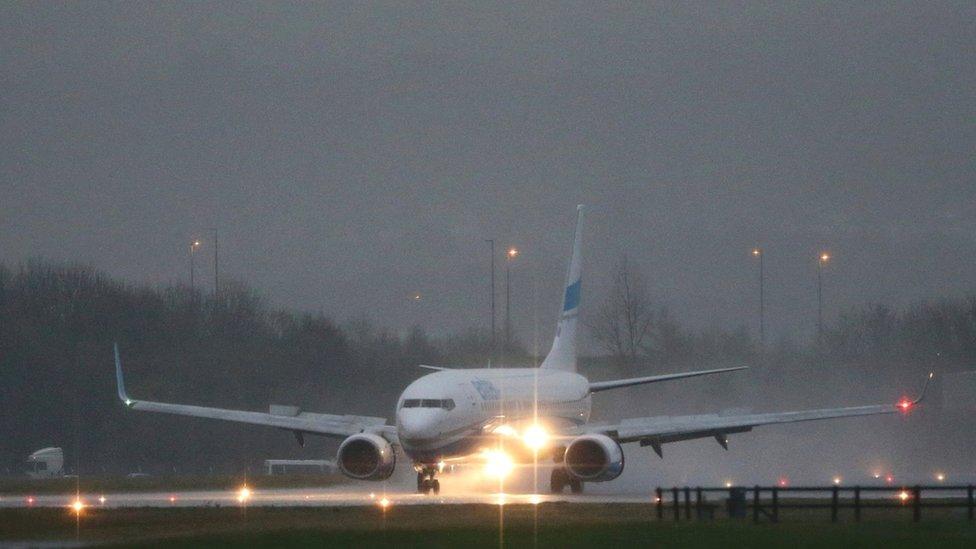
(924, 388)
(429, 367)
(119, 380)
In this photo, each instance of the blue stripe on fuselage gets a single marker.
(572, 299)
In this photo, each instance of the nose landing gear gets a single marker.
(560, 479)
(426, 483)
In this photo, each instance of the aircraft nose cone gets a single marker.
(417, 424)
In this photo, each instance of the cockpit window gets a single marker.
(444, 404)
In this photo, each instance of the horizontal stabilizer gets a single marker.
(438, 368)
(617, 383)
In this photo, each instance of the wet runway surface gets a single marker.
(350, 495)
(338, 496)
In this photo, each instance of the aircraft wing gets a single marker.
(655, 431)
(338, 426)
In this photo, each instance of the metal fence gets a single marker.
(766, 501)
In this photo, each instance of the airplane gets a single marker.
(503, 415)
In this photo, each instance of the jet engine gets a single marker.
(594, 458)
(366, 456)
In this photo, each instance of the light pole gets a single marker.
(758, 252)
(216, 266)
(491, 241)
(193, 248)
(821, 261)
(510, 256)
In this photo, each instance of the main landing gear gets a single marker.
(426, 483)
(560, 479)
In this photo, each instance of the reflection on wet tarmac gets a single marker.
(337, 496)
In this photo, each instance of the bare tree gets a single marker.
(624, 323)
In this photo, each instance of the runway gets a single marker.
(337, 496)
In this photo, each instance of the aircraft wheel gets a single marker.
(558, 480)
(436, 486)
(421, 483)
(575, 485)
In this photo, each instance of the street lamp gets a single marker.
(510, 255)
(216, 265)
(821, 261)
(758, 253)
(193, 248)
(491, 242)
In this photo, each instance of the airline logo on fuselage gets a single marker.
(486, 389)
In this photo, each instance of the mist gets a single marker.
(354, 159)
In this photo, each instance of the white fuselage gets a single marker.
(447, 414)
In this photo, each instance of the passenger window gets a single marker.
(411, 403)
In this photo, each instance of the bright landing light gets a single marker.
(78, 506)
(505, 430)
(535, 437)
(497, 464)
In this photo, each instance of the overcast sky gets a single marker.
(355, 154)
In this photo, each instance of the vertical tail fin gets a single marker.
(562, 356)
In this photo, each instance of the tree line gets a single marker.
(57, 386)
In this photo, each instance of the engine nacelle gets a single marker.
(594, 458)
(366, 456)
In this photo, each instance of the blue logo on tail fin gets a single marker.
(572, 299)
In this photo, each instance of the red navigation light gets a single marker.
(783, 482)
(905, 405)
